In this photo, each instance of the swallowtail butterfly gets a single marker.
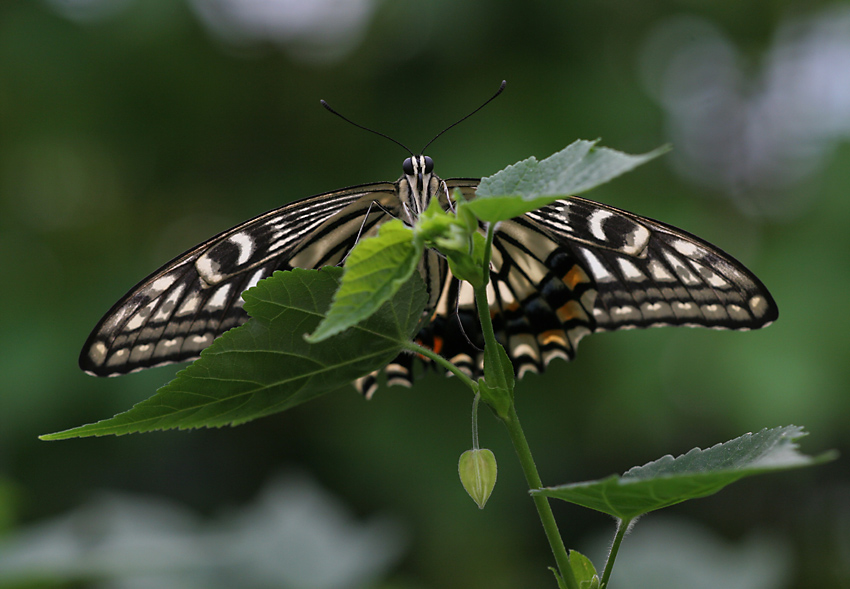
(562, 272)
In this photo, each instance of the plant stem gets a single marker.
(622, 528)
(435, 357)
(516, 434)
(481, 292)
(475, 421)
(544, 510)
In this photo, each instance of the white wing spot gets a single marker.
(198, 342)
(684, 273)
(715, 311)
(630, 271)
(550, 355)
(625, 313)
(523, 345)
(659, 272)
(738, 313)
(245, 243)
(258, 275)
(636, 241)
(714, 279)
(118, 357)
(525, 369)
(97, 353)
(577, 333)
(140, 317)
(159, 285)
(505, 293)
(688, 309)
(656, 310)
(596, 268)
(167, 347)
(208, 269)
(595, 221)
(466, 296)
(141, 352)
(686, 248)
(758, 305)
(219, 299)
(164, 311)
(190, 305)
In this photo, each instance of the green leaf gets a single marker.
(531, 184)
(698, 473)
(561, 583)
(374, 271)
(583, 571)
(265, 366)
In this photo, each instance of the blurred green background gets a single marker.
(131, 130)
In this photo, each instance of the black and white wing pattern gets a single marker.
(567, 270)
(576, 267)
(179, 310)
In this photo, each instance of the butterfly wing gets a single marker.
(177, 311)
(572, 268)
(576, 267)
(649, 274)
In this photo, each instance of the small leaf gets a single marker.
(698, 473)
(561, 583)
(375, 269)
(477, 470)
(531, 184)
(583, 571)
(265, 366)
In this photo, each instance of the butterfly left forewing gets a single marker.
(177, 311)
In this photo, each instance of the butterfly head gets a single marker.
(421, 182)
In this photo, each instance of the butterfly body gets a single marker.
(559, 273)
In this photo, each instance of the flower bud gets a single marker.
(477, 469)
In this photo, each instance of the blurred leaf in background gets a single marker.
(130, 131)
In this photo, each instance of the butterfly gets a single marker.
(559, 273)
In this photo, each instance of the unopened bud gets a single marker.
(477, 469)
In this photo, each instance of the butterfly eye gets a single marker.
(429, 165)
(407, 166)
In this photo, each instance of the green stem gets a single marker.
(511, 421)
(622, 528)
(475, 421)
(544, 510)
(435, 357)
(481, 293)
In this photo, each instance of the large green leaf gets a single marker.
(266, 366)
(374, 271)
(531, 184)
(698, 473)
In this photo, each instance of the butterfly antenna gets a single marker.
(347, 120)
(486, 102)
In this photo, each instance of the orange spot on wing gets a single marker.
(436, 346)
(571, 310)
(575, 277)
(438, 343)
(552, 336)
